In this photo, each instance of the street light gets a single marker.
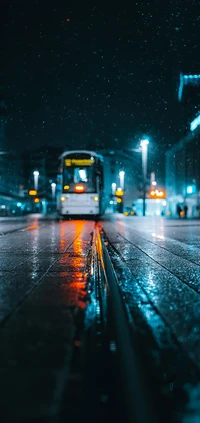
(144, 144)
(114, 185)
(36, 175)
(53, 186)
(121, 177)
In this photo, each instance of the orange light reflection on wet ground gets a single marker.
(79, 254)
(62, 234)
(29, 228)
(76, 279)
(120, 227)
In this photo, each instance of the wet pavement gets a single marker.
(44, 270)
(43, 274)
(164, 261)
(158, 269)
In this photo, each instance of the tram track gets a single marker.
(113, 384)
(136, 398)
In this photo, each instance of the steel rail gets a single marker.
(137, 398)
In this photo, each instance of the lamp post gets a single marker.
(121, 178)
(53, 186)
(144, 144)
(114, 185)
(36, 175)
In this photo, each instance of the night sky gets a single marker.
(78, 74)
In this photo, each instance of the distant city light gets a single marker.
(144, 143)
(36, 174)
(113, 188)
(191, 76)
(32, 192)
(191, 189)
(53, 187)
(19, 204)
(119, 192)
(187, 80)
(157, 193)
(195, 123)
(121, 177)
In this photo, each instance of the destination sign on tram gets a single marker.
(79, 162)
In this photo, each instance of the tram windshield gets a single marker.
(74, 175)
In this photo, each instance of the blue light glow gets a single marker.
(195, 123)
(191, 189)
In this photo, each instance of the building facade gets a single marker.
(183, 160)
(183, 175)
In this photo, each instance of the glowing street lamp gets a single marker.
(144, 145)
(114, 185)
(121, 177)
(36, 175)
(53, 186)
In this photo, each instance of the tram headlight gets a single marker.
(96, 198)
(79, 188)
(62, 198)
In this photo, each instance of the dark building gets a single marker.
(129, 161)
(45, 160)
(183, 160)
(12, 201)
(12, 198)
(3, 115)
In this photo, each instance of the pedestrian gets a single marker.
(185, 210)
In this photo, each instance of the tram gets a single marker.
(81, 182)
